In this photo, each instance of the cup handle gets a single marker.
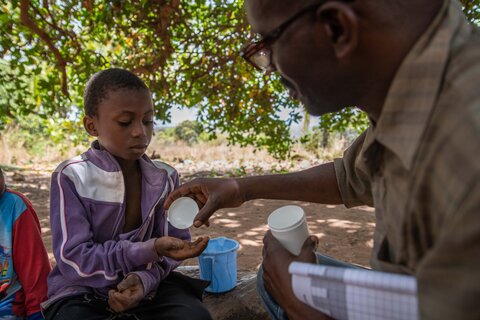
(211, 260)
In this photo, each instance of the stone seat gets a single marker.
(241, 303)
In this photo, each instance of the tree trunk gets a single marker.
(325, 136)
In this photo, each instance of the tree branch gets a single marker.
(30, 24)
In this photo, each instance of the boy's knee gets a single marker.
(201, 313)
(193, 312)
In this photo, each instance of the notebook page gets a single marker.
(355, 294)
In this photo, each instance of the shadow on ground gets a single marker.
(344, 234)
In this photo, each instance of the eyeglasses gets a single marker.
(259, 53)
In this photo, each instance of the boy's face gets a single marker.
(124, 123)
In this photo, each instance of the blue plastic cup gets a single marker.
(218, 264)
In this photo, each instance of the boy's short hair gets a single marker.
(107, 80)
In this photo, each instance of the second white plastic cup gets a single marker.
(289, 226)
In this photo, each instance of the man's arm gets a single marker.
(317, 184)
(344, 181)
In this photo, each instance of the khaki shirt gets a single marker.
(419, 166)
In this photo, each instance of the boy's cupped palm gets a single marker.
(179, 249)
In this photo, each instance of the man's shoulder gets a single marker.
(463, 71)
(458, 104)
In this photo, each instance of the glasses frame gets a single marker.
(253, 47)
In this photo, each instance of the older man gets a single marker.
(413, 67)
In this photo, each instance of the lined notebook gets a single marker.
(355, 294)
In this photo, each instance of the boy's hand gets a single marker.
(179, 249)
(128, 294)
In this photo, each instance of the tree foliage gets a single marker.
(188, 131)
(186, 51)
(472, 10)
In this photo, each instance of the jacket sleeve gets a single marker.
(159, 270)
(30, 259)
(78, 256)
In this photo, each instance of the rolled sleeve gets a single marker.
(352, 175)
(144, 252)
(150, 278)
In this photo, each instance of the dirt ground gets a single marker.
(345, 234)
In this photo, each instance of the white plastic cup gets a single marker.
(289, 226)
(182, 212)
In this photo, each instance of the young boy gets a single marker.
(114, 248)
(24, 263)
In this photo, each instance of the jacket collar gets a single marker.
(106, 161)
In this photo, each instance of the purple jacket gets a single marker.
(87, 209)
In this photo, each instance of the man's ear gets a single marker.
(340, 24)
(89, 125)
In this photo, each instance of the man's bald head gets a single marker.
(335, 53)
(264, 15)
(271, 13)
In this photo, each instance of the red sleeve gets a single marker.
(30, 259)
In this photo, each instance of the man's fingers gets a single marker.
(201, 199)
(268, 235)
(311, 242)
(270, 243)
(174, 195)
(184, 190)
(204, 214)
(267, 280)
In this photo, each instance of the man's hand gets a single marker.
(128, 294)
(277, 280)
(179, 249)
(210, 195)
